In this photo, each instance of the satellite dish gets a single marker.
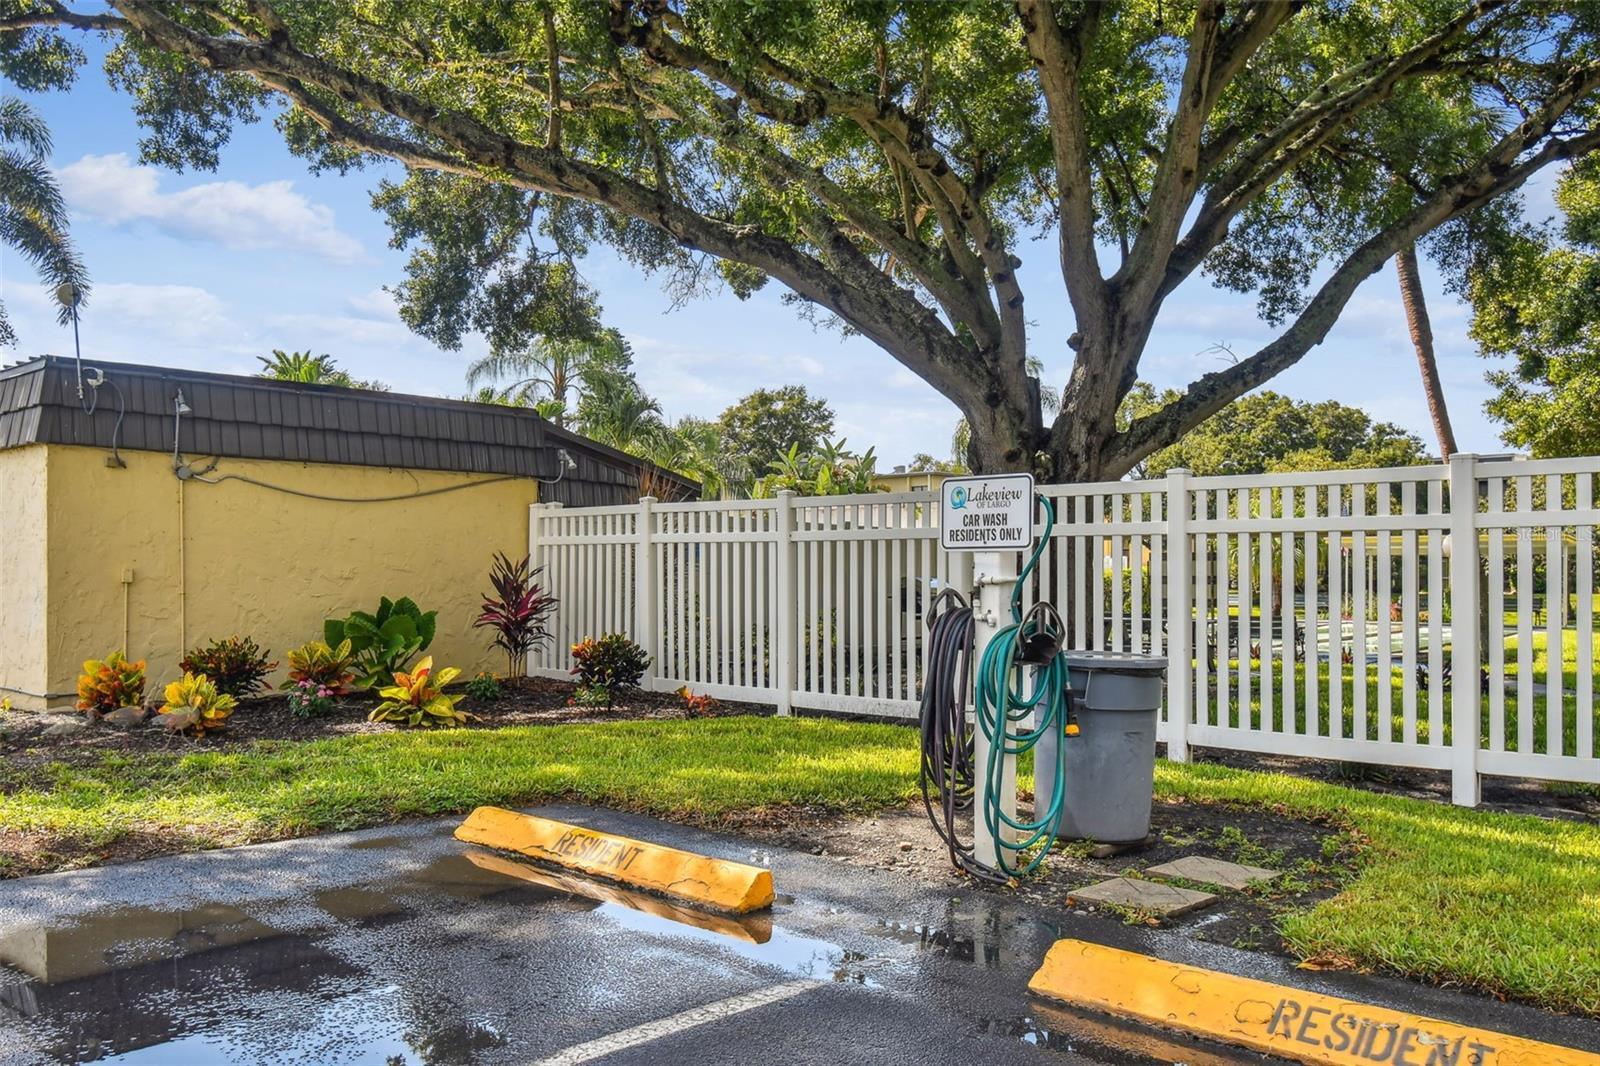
(68, 294)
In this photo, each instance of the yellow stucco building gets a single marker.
(901, 480)
(168, 508)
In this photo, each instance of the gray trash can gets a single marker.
(1110, 765)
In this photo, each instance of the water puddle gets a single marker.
(213, 984)
(750, 936)
(1108, 1040)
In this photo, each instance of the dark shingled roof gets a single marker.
(256, 418)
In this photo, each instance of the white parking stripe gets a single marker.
(677, 1023)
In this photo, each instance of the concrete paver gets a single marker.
(1166, 901)
(1206, 870)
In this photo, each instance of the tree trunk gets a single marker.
(1405, 265)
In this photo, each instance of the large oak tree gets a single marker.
(885, 161)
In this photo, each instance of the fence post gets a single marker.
(1466, 788)
(645, 615)
(536, 513)
(784, 596)
(1180, 616)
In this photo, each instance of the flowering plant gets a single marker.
(309, 699)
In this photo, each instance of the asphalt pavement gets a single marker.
(402, 946)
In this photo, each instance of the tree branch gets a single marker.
(1216, 55)
(960, 212)
(54, 13)
(1500, 172)
(888, 315)
(1319, 117)
(552, 52)
(1057, 53)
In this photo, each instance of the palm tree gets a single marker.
(693, 447)
(311, 369)
(617, 412)
(33, 216)
(1405, 265)
(302, 367)
(506, 397)
(554, 368)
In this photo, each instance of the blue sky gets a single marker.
(210, 270)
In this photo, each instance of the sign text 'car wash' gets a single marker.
(986, 513)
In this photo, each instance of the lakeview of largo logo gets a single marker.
(987, 513)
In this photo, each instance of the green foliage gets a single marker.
(418, 699)
(321, 665)
(1267, 431)
(311, 369)
(694, 447)
(591, 696)
(33, 216)
(831, 470)
(194, 705)
(885, 163)
(385, 641)
(109, 683)
(475, 266)
(1536, 307)
(765, 426)
(611, 664)
(923, 463)
(236, 665)
(484, 686)
(616, 411)
(552, 374)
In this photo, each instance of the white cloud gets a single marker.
(181, 312)
(376, 303)
(332, 332)
(113, 190)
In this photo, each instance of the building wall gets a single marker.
(23, 674)
(199, 561)
(926, 481)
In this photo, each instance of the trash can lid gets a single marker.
(1115, 662)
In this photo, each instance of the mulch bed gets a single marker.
(522, 701)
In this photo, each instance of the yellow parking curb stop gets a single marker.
(754, 928)
(715, 883)
(1289, 1022)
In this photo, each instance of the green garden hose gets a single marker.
(1014, 723)
(949, 768)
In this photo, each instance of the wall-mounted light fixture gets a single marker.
(179, 408)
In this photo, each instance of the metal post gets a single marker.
(995, 574)
(646, 617)
(1466, 788)
(785, 608)
(1180, 617)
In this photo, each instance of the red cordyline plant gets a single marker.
(517, 610)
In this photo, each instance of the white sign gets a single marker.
(986, 513)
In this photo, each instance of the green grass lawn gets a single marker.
(1390, 727)
(1541, 656)
(1506, 904)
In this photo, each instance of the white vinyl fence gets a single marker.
(1342, 615)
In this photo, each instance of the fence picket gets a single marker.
(1583, 661)
(820, 603)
